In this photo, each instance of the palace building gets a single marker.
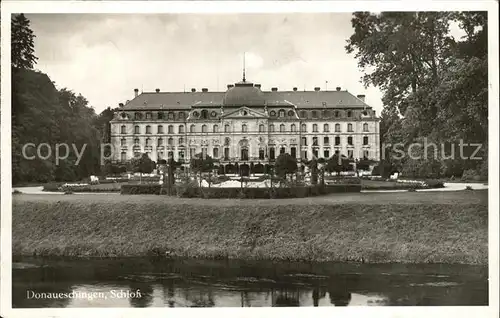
(245, 126)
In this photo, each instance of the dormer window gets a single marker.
(272, 113)
(160, 115)
(204, 114)
(282, 113)
(290, 113)
(349, 114)
(213, 114)
(171, 116)
(314, 114)
(196, 114)
(149, 115)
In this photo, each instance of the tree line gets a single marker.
(434, 84)
(41, 113)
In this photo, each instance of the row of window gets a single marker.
(262, 153)
(244, 128)
(205, 114)
(326, 141)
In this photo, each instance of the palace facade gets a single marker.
(245, 125)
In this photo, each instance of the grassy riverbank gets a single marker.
(440, 227)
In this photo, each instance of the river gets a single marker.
(139, 282)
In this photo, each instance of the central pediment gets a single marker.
(245, 113)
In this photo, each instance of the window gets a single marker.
(261, 154)
(149, 115)
(327, 113)
(181, 129)
(337, 141)
(148, 142)
(350, 154)
(244, 154)
(271, 128)
(290, 113)
(170, 141)
(315, 141)
(315, 128)
(326, 154)
(304, 154)
(182, 116)
(304, 128)
(204, 114)
(337, 127)
(349, 127)
(326, 128)
(203, 128)
(282, 128)
(148, 129)
(226, 153)
(293, 152)
(282, 150)
(244, 128)
(196, 114)
(171, 116)
(226, 128)
(272, 155)
(160, 142)
(181, 155)
(315, 153)
(160, 115)
(137, 130)
(272, 113)
(192, 128)
(349, 114)
(170, 129)
(137, 116)
(160, 129)
(216, 129)
(213, 114)
(303, 114)
(365, 140)
(261, 128)
(123, 142)
(170, 155)
(314, 114)
(304, 141)
(365, 127)
(282, 113)
(216, 152)
(293, 128)
(349, 141)
(326, 141)
(181, 141)
(337, 114)
(136, 141)
(365, 154)
(123, 129)
(123, 156)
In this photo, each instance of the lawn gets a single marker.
(438, 227)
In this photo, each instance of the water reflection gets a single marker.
(195, 283)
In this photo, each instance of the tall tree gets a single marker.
(22, 43)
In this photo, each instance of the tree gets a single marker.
(285, 165)
(337, 163)
(434, 85)
(22, 44)
(201, 163)
(143, 164)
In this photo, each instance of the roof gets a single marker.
(246, 95)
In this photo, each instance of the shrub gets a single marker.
(140, 189)
(469, 188)
(52, 187)
(434, 184)
(68, 192)
(16, 192)
(471, 175)
(412, 190)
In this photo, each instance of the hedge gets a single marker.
(191, 191)
(141, 188)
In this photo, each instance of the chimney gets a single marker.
(157, 90)
(136, 92)
(295, 89)
(204, 90)
(230, 86)
(362, 97)
(121, 104)
(338, 88)
(317, 89)
(258, 86)
(193, 90)
(274, 89)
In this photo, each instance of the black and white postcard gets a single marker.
(163, 155)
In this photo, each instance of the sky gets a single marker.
(105, 56)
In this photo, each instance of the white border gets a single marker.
(9, 7)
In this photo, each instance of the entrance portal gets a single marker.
(244, 170)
